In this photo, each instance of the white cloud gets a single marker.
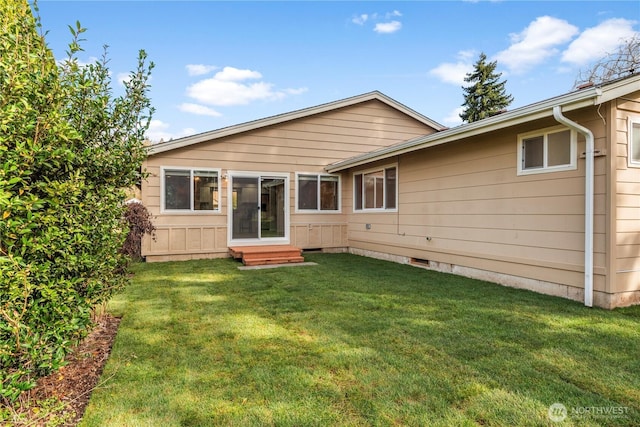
(298, 91)
(455, 73)
(453, 119)
(220, 92)
(159, 131)
(80, 62)
(228, 87)
(123, 78)
(158, 124)
(91, 60)
(200, 69)
(388, 27)
(231, 74)
(536, 43)
(596, 42)
(391, 24)
(200, 110)
(360, 19)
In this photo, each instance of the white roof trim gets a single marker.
(162, 147)
(571, 101)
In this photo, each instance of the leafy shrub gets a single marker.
(138, 219)
(67, 149)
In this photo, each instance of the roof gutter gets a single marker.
(588, 201)
(572, 101)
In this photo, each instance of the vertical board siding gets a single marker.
(316, 236)
(183, 240)
(302, 145)
(627, 199)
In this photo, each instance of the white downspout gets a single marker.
(588, 203)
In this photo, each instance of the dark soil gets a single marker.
(73, 383)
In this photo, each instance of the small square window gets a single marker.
(376, 189)
(549, 150)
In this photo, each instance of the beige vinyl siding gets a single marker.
(626, 200)
(302, 145)
(463, 204)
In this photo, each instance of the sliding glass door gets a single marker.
(258, 208)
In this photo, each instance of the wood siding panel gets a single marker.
(628, 258)
(631, 238)
(549, 271)
(178, 239)
(194, 239)
(538, 205)
(523, 222)
(628, 281)
(628, 227)
(627, 200)
(629, 103)
(302, 145)
(465, 201)
(186, 240)
(300, 236)
(314, 236)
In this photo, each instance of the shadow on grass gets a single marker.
(357, 341)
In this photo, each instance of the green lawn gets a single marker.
(355, 341)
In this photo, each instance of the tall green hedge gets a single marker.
(68, 148)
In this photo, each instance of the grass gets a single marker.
(355, 341)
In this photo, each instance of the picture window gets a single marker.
(318, 192)
(190, 190)
(376, 189)
(547, 151)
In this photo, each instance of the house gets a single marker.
(526, 198)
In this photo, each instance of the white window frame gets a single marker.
(382, 168)
(573, 155)
(318, 210)
(633, 121)
(191, 210)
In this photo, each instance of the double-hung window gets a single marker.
(375, 189)
(190, 190)
(318, 192)
(547, 150)
(634, 142)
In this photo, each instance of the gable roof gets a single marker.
(281, 118)
(543, 109)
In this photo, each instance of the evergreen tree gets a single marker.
(486, 96)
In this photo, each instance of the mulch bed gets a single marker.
(73, 383)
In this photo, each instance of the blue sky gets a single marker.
(220, 63)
